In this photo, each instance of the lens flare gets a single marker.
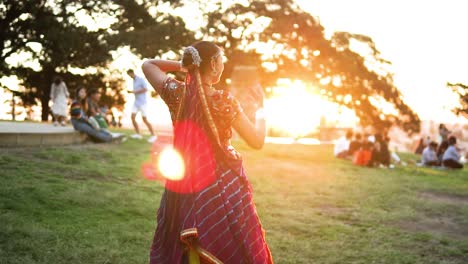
(171, 164)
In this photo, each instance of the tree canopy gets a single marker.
(462, 91)
(276, 36)
(52, 36)
(358, 80)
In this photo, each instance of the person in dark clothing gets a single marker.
(380, 153)
(451, 158)
(355, 144)
(441, 150)
(444, 132)
(420, 147)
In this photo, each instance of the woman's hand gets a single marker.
(251, 99)
(258, 95)
(251, 126)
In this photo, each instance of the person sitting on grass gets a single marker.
(363, 156)
(429, 155)
(81, 123)
(355, 144)
(441, 150)
(342, 145)
(451, 158)
(380, 153)
(94, 112)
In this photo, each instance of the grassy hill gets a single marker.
(90, 204)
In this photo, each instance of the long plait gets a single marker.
(206, 109)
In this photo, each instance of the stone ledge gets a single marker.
(41, 139)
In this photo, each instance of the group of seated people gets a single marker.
(87, 117)
(446, 154)
(370, 150)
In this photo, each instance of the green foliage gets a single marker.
(64, 43)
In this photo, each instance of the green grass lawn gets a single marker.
(90, 204)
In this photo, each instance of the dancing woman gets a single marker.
(208, 216)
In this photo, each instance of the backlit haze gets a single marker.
(426, 41)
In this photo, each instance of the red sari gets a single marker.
(210, 213)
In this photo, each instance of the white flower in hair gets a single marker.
(195, 55)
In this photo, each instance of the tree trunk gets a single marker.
(45, 107)
(45, 95)
(13, 107)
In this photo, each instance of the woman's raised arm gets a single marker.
(155, 71)
(253, 134)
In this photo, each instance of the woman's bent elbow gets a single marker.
(145, 65)
(257, 145)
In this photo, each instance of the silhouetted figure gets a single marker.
(355, 144)
(441, 150)
(380, 152)
(443, 132)
(420, 147)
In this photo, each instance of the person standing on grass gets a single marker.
(59, 96)
(209, 215)
(140, 105)
(451, 158)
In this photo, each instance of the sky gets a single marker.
(426, 41)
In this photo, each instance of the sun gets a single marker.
(293, 108)
(298, 110)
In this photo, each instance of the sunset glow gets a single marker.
(424, 40)
(298, 109)
(425, 53)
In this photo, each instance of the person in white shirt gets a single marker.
(451, 158)
(140, 89)
(429, 155)
(342, 145)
